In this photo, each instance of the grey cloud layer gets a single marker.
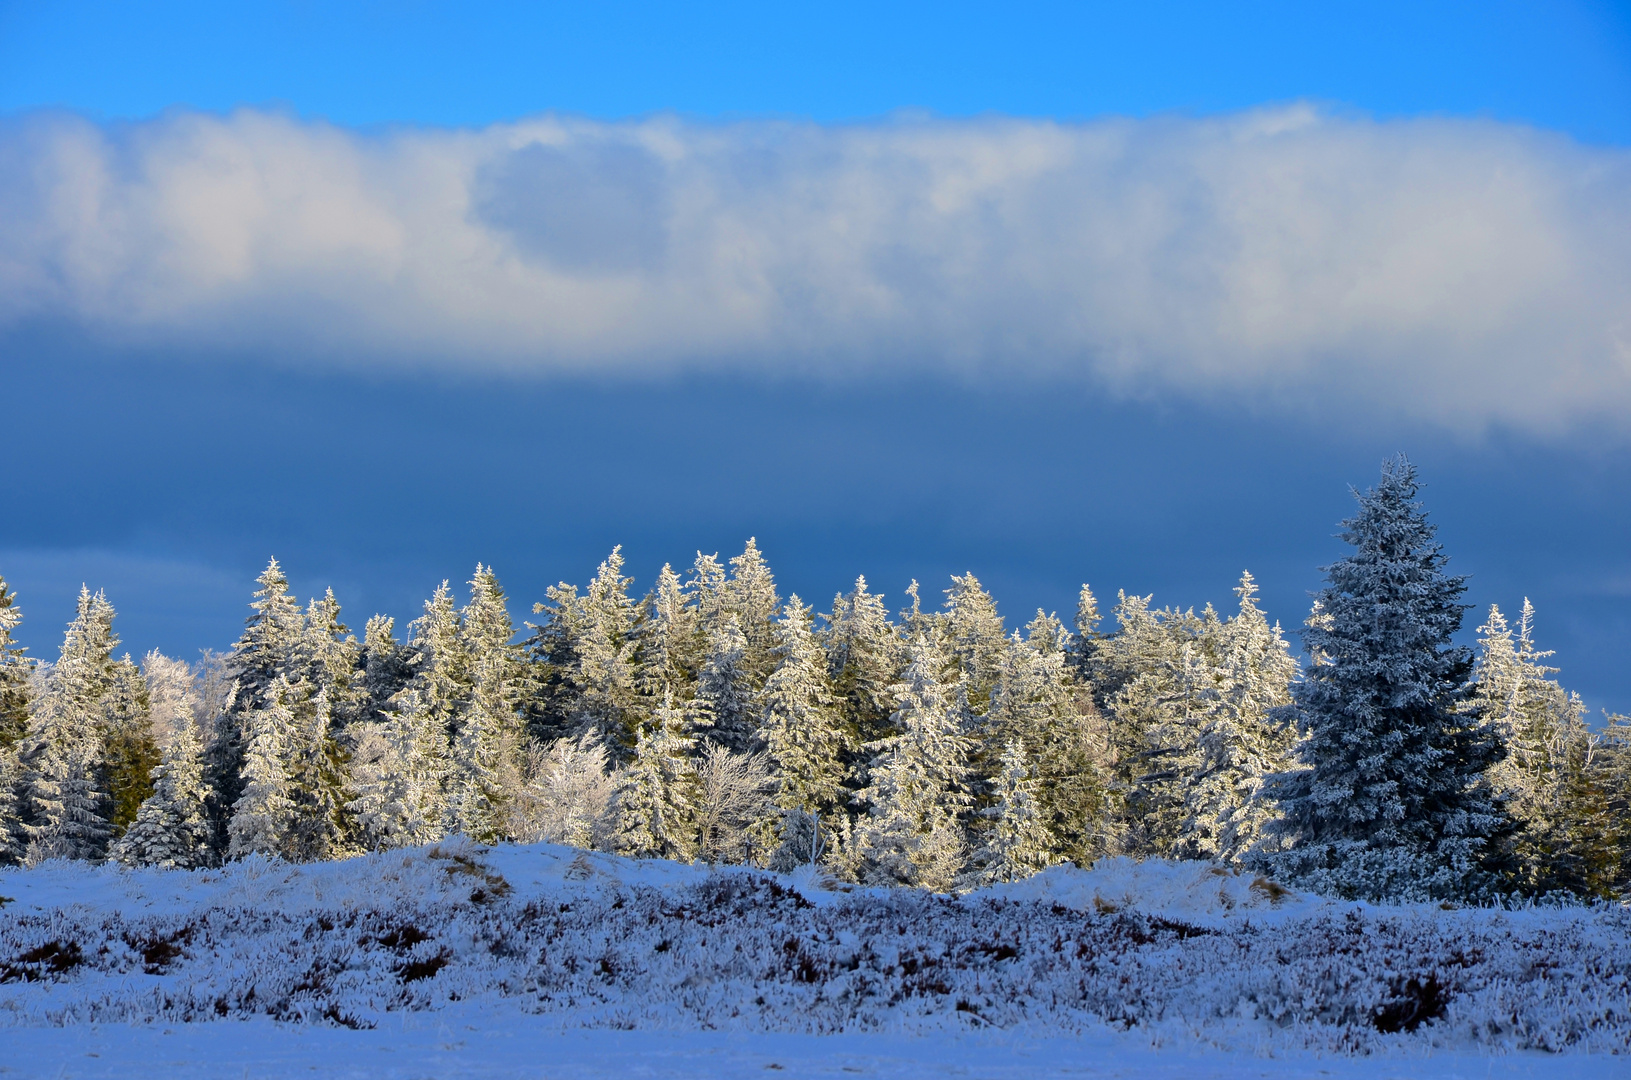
(1463, 271)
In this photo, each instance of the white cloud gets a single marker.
(1466, 272)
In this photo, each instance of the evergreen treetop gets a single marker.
(1391, 798)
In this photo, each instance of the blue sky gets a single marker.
(1559, 65)
(1050, 292)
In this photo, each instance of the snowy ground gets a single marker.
(421, 1047)
(547, 961)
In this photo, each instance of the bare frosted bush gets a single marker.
(732, 805)
(568, 796)
(172, 692)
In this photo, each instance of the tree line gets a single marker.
(933, 747)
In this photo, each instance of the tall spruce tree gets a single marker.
(1084, 650)
(319, 776)
(66, 808)
(864, 656)
(1163, 665)
(750, 595)
(400, 766)
(331, 659)
(16, 692)
(487, 773)
(972, 635)
(265, 651)
(605, 674)
(1019, 843)
(799, 720)
(706, 594)
(1039, 706)
(479, 791)
(265, 819)
(1611, 770)
(1392, 800)
(917, 784)
(664, 659)
(723, 708)
(15, 673)
(1564, 842)
(130, 751)
(584, 655)
(172, 828)
(1244, 736)
(403, 759)
(13, 838)
(656, 797)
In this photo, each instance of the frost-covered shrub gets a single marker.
(599, 941)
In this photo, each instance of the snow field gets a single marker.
(1170, 954)
(506, 1045)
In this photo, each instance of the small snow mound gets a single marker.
(1157, 886)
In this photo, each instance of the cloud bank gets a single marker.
(1464, 272)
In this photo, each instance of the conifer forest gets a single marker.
(928, 742)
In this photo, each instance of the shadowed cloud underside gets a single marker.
(1463, 273)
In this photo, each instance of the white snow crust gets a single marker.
(556, 946)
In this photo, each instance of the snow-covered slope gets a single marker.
(575, 939)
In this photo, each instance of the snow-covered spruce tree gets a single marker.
(319, 777)
(584, 655)
(172, 828)
(265, 651)
(480, 784)
(1392, 801)
(1244, 736)
(16, 691)
(864, 658)
(438, 658)
(972, 635)
(265, 819)
(488, 746)
(386, 667)
(130, 752)
(15, 673)
(911, 833)
(750, 595)
(604, 677)
(1563, 842)
(799, 720)
(656, 796)
(551, 651)
(1611, 771)
(325, 671)
(65, 807)
(1084, 649)
(1038, 704)
(664, 637)
(402, 759)
(705, 593)
(1164, 666)
(331, 660)
(1019, 843)
(723, 708)
(13, 840)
